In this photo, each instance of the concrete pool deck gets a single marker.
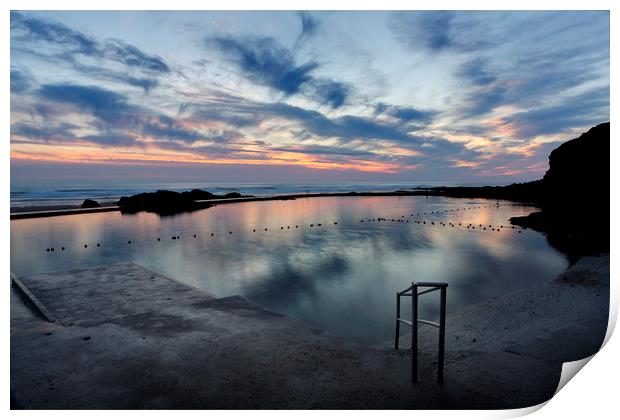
(126, 337)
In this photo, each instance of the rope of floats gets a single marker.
(415, 219)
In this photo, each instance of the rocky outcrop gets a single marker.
(576, 196)
(579, 172)
(166, 203)
(90, 204)
(573, 195)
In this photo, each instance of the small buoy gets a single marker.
(211, 233)
(319, 224)
(288, 227)
(194, 235)
(159, 239)
(265, 229)
(337, 222)
(296, 227)
(62, 248)
(47, 250)
(128, 242)
(282, 227)
(253, 230)
(230, 233)
(173, 238)
(313, 224)
(52, 249)
(85, 246)
(98, 244)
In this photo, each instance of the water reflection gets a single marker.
(342, 278)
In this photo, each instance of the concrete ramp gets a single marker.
(96, 295)
(126, 337)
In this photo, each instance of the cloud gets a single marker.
(580, 111)
(314, 124)
(484, 100)
(328, 92)
(347, 127)
(110, 139)
(266, 62)
(439, 31)
(356, 140)
(162, 127)
(131, 56)
(309, 26)
(50, 40)
(123, 77)
(106, 105)
(536, 59)
(476, 72)
(119, 123)
(54, 33)
(509, 77)
(326, 150)
(405, 114)
(21, 80)
(43, 134)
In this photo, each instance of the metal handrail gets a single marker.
(434, 286)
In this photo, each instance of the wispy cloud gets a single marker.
(470, 94)
(50, 40)
(309, 27)
(267, 62)
(439, 31)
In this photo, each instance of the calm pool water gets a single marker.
(340, 277)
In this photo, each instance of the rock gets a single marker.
(90, 204)
(166, 203)
(580, 165)
(196, 194)
(161, 202)
(576, 196)
(233, 195)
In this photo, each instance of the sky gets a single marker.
(302, 96)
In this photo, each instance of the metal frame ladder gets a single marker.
(414, 293)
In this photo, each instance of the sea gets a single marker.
(31, 196)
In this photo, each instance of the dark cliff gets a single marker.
(574, 196)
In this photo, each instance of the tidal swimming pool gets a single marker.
(321, 260)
